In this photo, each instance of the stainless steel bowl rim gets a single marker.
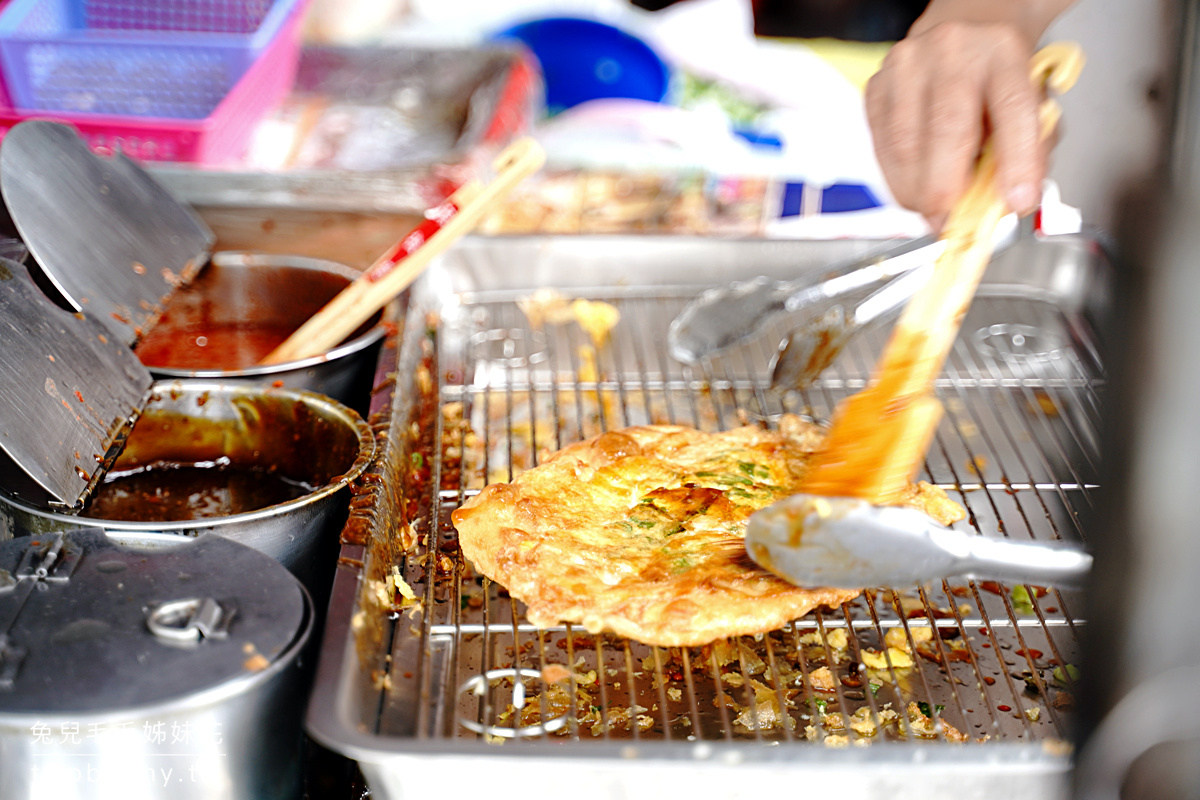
(227, 258)
(367, 452)
(351, 347)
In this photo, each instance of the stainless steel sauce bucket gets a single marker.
(303, 435)
(241, 293)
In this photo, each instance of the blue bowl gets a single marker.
(585, 60)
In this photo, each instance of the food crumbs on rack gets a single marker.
(597, 318)
(588, 372)
(874, 659)
(545, 305)
(977, 465)
(548, 306)
(822, 680)
(763, 713)
(896, 638)
(1033, 713)
(396, 582)
(837, 639)
(555, 673)
(924, 726)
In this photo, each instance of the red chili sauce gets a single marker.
(231, 317)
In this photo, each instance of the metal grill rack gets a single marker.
(974, 667)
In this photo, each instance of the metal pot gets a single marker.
(302, 436)
(132, 252)
(239, 304)
(153, 667)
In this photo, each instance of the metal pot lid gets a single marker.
(88, 625)
(69, 393)
(108, 236)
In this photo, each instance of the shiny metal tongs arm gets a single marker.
(806, 351)
(811, 347)
(849, 543)
(734, 313)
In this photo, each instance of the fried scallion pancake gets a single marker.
(640, 531)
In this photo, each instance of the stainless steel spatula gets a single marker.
(850, 543)
(107, 235)
(728, 315)
(69, 391)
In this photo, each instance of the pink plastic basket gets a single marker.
(222, 136)
(212, 16)
(133, 57)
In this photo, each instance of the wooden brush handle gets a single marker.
(403, 262)
(880, 435)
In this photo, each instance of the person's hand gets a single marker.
(961, 75)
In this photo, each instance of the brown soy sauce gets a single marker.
(172, 492)
(260, 451)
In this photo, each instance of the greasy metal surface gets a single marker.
(111, 239)
(67, 390)
(481, 395)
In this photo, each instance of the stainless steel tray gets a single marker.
(375, 129)
(422, 691)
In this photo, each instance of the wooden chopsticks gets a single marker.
(879, 436)
(403, 262)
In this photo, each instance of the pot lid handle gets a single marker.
(186, 621)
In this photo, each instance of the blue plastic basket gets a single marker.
(158, 58)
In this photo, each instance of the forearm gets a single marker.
(1030, 17)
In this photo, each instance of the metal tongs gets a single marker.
(848, 543)
(728, 315)
(812, 346)
(844, 528)
(805, 352)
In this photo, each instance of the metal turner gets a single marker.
(849, 543)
